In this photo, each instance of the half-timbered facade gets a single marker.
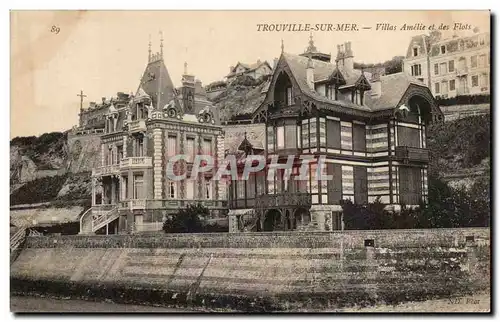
(131, 191)
(370, 129)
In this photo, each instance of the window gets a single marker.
(451, 66)
(190, 189)
(443, 49)
(452, 85)
(208, 189)
(442, 68)
(444, 87)
(280, 137)
(461, 64)
(171, 145)
(299, 129)
(333, 134)
(482, 61)
(207, 147)
(120, 153)
(138, 186)
(241, 189)
(334, 186)
(473, 61)
(484, 81)
(436, 88)
(410, 185)
(190, 149)
(270, 138)
(312, 132)
(360, 185)
(140, 147)
(171, 190)
(289, 96)
(416, 70)
(322, 132)
(291, 136)
(475, 81)
(408, 136)
(330, 92)
(359, 137)
(415, 51)
(436, 69)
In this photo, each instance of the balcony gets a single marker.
(137, 126)
(286, 199)
(405, 154)
(462, 71)
(106, 170)
(136, 163)
(141, 204)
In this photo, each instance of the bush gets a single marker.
(465, 100)
(188, 220)
(447, 207)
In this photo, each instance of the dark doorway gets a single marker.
(272, 220)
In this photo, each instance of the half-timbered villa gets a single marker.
(370, 128)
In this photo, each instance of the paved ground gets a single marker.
(474, 303)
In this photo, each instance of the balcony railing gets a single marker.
(406, 153)
(137, 126)
(106, 170)
(136, 204)
(285, 199)
(462, 71)
(136, 162)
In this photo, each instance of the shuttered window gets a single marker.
(408, 136)
(359, 137)
(334, 185)
(360, 185)
(410, 185)
(333, 134)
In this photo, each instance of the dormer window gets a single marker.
(415, 51)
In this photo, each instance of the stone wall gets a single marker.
(259, 271)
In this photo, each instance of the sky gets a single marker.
(55, 54)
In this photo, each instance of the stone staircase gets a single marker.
(97, 217)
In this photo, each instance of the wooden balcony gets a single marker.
(405, 154)
(136, 163)
(285, 199)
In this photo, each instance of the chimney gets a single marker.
(376, 85)
(340, 56)
(348, 57)
(231, 68)
(258, 61)
(310, 74)
(104, 100)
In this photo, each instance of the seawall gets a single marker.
(259, 271)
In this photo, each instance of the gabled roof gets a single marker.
(395, 86)
(235, 135)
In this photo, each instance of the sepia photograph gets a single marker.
(259, 161)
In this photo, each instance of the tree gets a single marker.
(187, 220)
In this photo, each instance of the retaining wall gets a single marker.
(259, 271)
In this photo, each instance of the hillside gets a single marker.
(460, 145)
(241, 98)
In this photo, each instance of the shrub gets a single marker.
(187, 220)
(39, 190)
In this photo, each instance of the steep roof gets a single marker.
(156, 83)
(322, 70)
(235, 134)
(421, 41)
(248, 67)
(395, 86)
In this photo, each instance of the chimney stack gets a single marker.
(348, 57)
(310, 74)
(376, 85)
